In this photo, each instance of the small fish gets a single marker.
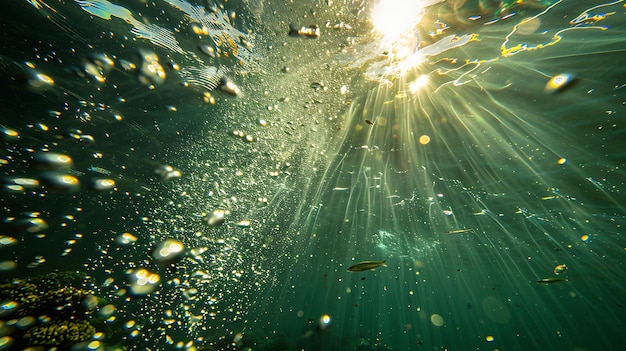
(551, 280)
(366, 266)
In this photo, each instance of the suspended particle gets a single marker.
(424, 139)
(324, 323)
(240, 224)
(229, 86)
(168, 251)
(8, 134)
(238, 339)
(6, 342)
(167, 172)
(312, 31)
(25, 322)
(131, 324)
(127, 66)
(125, 239)
(7, 307)
(150, 72)
(208, 98)
(6, 241)
(561, 268)
(94, 72)
(199, 29)
(559, 82)
(52, 161)
(143, 281)
(208, 50)
(60, 182)
(7, 265)
(90, 302)
(30, 225)
(216, 218)
(25, 183)
(39, 81)
(106, 311)
(102, 184)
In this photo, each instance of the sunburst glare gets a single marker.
(357, 175)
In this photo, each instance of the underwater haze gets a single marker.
(313, 175)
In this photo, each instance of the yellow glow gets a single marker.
(419, 83)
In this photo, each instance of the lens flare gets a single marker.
(395, 18)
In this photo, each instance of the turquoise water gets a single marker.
(478, 152)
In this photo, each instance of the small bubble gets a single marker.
(437, 320)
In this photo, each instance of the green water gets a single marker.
(474, 185)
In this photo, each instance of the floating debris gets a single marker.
(243, 224)
(312, 31)
(459, 231)
(551, 280)
(229, 86)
